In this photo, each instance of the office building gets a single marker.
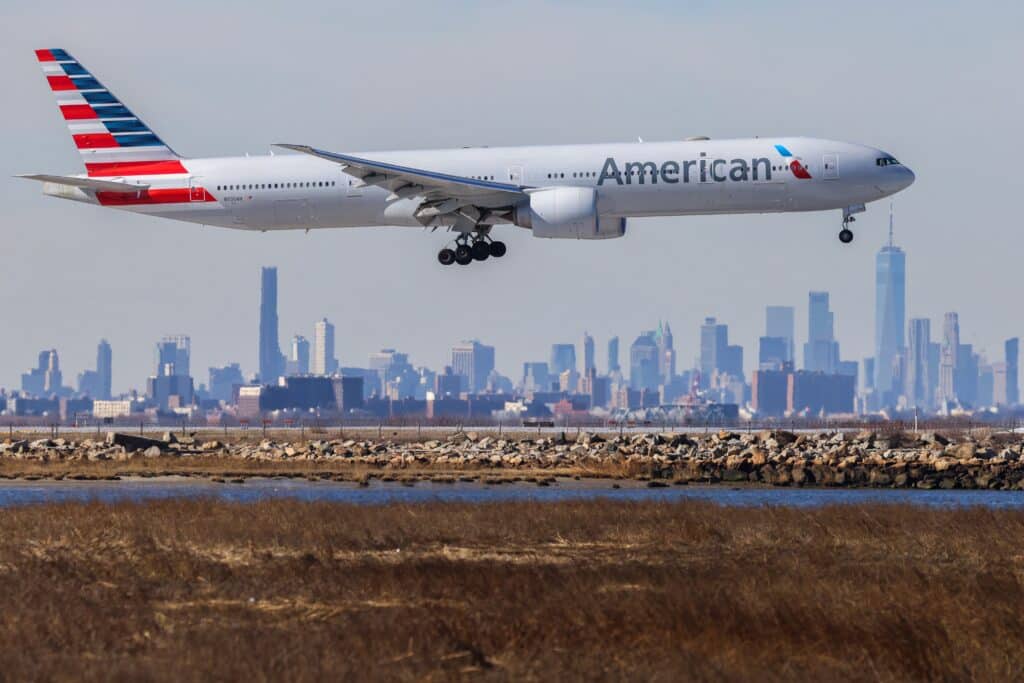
(563, 357)
(890, 316)
(348, 393)
(173, 356)
(968, 365)
(271, 360)
(948, 357)
(769, 391)
(104, 370)
(815, 393)
(613, 355)
(780, 323)
(536, 378)
(821, 352)
(223, 382)
(448, 384)
(919, 381)
(298, 357)
(324, 361)
(46, 378)
(588, 353)
(666, 353)
(772, 353)
(644, 369)
(717, 356)
(475, 362)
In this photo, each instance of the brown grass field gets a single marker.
(200, 590)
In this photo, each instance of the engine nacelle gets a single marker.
(567, 213)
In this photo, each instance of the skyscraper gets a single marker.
(173, 356)
(666, 353)
(713, 339)
(948, 357)
(535, 377)
(563, 357)
(613, 355)
(919, 382)
(53, 380)
(821, 352)
(890, 315)
(298, 362)
(324, 362)
(643, 362)
(45, 378)
(588, 353)
(474, 361)
(780, 322)
(104, 370)
(271, 360)
(1012, 349)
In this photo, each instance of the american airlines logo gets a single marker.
(700, 170)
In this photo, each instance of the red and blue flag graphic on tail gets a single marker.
(111, 139)
(795, 165)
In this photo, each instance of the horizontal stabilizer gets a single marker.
(88, 183)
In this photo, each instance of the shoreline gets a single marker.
(776, 458)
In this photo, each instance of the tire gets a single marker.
(481, 250)
(446, 257)
(463, 260)
(463, 253)
(846, 236)
(498, 249)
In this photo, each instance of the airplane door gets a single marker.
(830, 166)
(196, 191)
(515, 175)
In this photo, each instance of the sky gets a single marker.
(935, 83)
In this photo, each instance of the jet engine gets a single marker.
(567, 213)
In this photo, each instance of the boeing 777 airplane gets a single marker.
(562, 192)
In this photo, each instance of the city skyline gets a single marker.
(185, 278)
(924, 374)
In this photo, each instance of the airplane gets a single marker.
(583, 191)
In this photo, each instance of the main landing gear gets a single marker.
(479, 247)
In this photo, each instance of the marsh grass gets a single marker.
(189, 590)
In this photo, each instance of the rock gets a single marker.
(784, 438)
(135, 443)
(934, 438)
(152, 452)
(966, 451)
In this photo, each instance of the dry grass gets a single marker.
(188, 590)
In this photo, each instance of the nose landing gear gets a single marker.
(478, 247)
(846, 235)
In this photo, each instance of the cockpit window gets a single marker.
(886, 161)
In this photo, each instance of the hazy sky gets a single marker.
(935, 83)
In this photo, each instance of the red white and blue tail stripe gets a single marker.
(112, 140)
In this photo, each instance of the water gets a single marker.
(15, 493)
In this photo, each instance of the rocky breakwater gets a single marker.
(778, 458)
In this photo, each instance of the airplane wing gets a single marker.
(87, 183)
(445, 198)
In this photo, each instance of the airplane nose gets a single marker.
(908, 178)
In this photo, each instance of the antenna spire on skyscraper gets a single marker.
(891, 243)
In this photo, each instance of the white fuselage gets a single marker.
(297, 191)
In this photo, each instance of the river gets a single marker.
(14, 493)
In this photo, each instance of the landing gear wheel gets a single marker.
(463, 255)
(481, 250)
(846, 235)
(446, 257)
(497, 249)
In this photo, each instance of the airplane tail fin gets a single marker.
(112, 140)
